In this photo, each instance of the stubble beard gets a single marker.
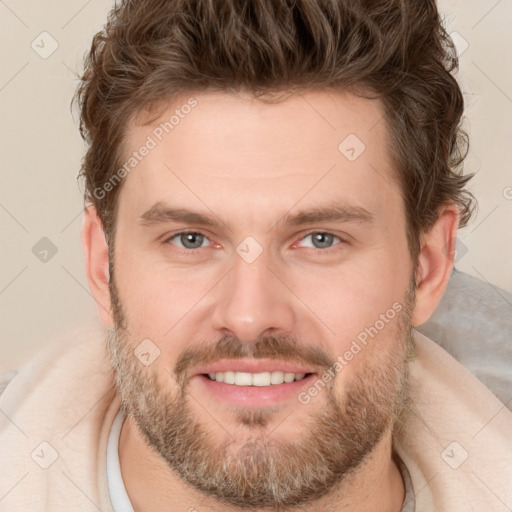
(258, 470)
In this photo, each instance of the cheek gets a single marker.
(352, 296)
(157, 300)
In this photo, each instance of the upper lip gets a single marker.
(253, 366)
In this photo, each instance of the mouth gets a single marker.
(253, 383)
(261, 379)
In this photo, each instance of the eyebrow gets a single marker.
(160, 214)
(338, 212)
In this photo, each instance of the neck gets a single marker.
(153, 486)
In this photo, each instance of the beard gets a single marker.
(253, 468)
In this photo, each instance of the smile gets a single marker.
(255, 379)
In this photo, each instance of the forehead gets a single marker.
(231, 153)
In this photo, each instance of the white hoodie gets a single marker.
(57, 412)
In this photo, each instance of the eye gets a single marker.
(188, 240)
(321, 240)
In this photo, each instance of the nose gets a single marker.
(253, 302)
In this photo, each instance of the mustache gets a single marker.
(271, 347)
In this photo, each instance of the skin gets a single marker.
(248, 164)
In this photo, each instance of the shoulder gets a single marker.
(74, 356)
(5, 378)
(473, 324)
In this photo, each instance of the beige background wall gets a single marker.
(41, 151)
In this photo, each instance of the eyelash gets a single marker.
(317, 251)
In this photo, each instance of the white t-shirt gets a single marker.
(121, 502)
(116, 488)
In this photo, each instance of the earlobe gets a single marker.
(435, 263)
(96, 258)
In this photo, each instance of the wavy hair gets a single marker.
(396, 50)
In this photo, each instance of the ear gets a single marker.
(435, 263)
(95, 250)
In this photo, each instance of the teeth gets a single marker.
(229, 377)
(255, 379)
(243, 379)
(260, 379)
(276, 378)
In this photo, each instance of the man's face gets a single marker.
(275, 282)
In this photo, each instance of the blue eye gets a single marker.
(320, 240)
(189, 240)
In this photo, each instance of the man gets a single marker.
(273, 194)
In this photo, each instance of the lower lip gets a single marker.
(255, 396)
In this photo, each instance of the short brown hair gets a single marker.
(396, 50)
